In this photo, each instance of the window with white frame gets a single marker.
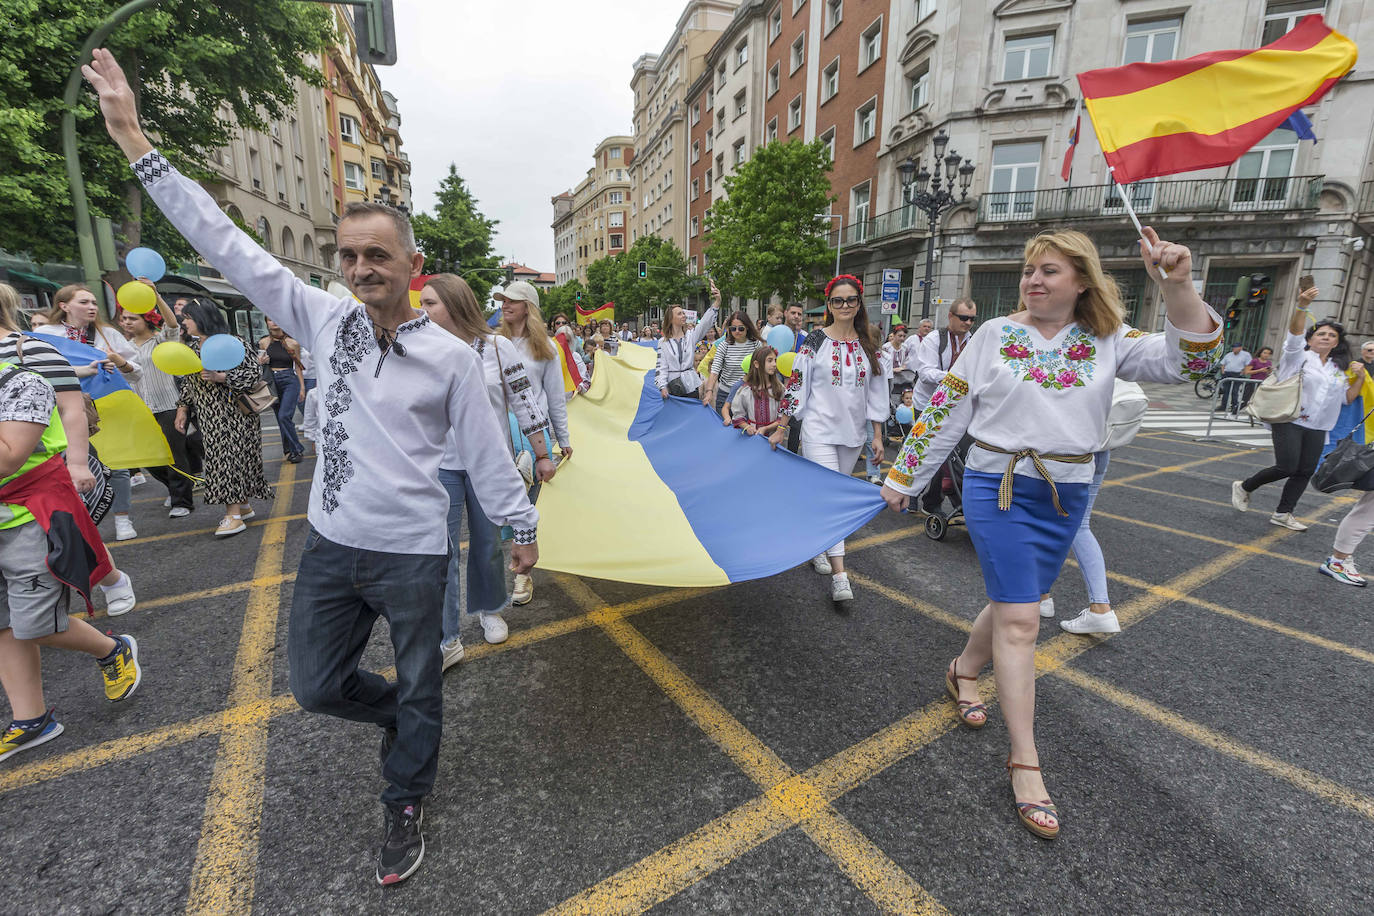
(710, 99)
(794, 113)
(924, 8)
(720, 74)
(828, 138)
(871, 45)
(1011, 187)
(696, 188)
(918, 87)
(378, 169)
(741, 54)
(353, 177)
(865, 121)
(796, 5)
(738, 158)
(1028, 57)
(798, 52)
(1263, 174)
(774, 78)
(694, 227)
(741, 104)
(692, 265)
(772, 132)
(859, 199)
(617, 219)
(775, 25)
(696, 150)
(834, 12)
(1280, 16)
(1152, 41)
(348, 129)
(708, 180)
(830, 81)
(720, 164)
(616, 197)
(710, 140)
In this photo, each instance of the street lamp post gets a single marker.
(839, 236)
(933, 193)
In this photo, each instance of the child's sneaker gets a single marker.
(121, 670)
(16, 739)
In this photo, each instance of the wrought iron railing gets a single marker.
(867, 231)
(1208, 195)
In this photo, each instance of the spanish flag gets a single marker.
(599, 313)
(572, 379)
(1207, 111)
(417, 286)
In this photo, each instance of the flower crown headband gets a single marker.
(845, 278)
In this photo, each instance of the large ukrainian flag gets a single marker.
(659, 492)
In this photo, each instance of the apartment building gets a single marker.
(724, 126)
(590, 221)
(660, 82)
(999, 80)
(564, 248)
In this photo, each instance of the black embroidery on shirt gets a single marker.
(151, 167)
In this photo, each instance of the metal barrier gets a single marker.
(1223, 386)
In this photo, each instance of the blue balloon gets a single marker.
(905, 414)
(782, 338)
(145, 263)
(221, 352)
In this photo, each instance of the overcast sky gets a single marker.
(517, 94)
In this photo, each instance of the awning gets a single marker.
(33, 279)
(209, 285)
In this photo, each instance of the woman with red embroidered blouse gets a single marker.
(1034, 389)
(838, 392)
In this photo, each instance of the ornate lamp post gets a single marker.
(933, 193)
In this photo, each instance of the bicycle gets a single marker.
(1206, 387)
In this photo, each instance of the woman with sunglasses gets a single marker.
(1322, 355)
(727, 369)
(676, 372)
(1034, 390)
(557, 321)
(838, 391)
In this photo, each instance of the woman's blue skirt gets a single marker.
(1021, 550)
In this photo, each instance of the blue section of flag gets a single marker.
(1301, 125)
(794, 508)
(104, 382)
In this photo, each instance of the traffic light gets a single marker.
(1233, 312)
(1259, 291)
(643, 270)
(510, 275)
(578, 298)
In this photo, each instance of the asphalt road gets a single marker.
(742, 750)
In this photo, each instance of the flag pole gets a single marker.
(1130, 211)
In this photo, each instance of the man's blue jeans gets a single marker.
(340, 591)
(486, 570)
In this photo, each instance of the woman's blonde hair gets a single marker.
(461, 304)
(541, 347)
(9, 308)
(1099, 307)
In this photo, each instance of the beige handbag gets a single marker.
(1277, 401)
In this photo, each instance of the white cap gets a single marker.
(520, 291)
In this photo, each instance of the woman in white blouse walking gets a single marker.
(676, 372)
(1322, 355)
(1034, 390)
(523, 324)
(450, 303)
(838, 391)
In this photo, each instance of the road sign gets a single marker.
(892, 286)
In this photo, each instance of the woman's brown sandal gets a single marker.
(1024, 810)
(967, 708)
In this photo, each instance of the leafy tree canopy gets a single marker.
(764, 236)
(456, 238)
(188, 61)
(666, 283)
(563, 298)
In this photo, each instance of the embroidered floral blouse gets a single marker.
(1014, 389)
(833, 390)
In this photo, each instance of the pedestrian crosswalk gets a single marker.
(1194, 423)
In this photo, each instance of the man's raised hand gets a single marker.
(116, 103)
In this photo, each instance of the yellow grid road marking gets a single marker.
(1221, 542)
(1170, 469)
(886, 883)
(1224, 504)
(255, 523)
(223, 877)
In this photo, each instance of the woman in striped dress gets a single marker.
(727, 369)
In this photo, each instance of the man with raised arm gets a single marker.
(393, 385)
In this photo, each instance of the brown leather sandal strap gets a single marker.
(1020, 766)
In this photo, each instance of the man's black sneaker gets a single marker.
(404, 845)
(388, 739)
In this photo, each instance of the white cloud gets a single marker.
(517, 94)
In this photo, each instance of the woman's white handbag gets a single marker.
(1129, 405)
(1277, 401)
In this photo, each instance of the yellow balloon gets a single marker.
(137, 297)
(747, 362)
(175, 358)
(785, 363)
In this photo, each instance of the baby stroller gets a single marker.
(937, 524)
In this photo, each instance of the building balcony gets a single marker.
(1221, 196)
(883, 227)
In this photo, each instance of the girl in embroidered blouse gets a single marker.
(757, 405)
(838, 392)
(1034, 389)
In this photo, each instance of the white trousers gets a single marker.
(1356, 524)
(836, 457)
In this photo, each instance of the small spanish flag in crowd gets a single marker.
(572, 379)
(1207, 111)
(592, 315)
(417, 286)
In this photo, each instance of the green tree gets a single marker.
(457, 237)
(186, 59)
(765, 237)
(563, 298)
(603, 282)
(667, 282)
